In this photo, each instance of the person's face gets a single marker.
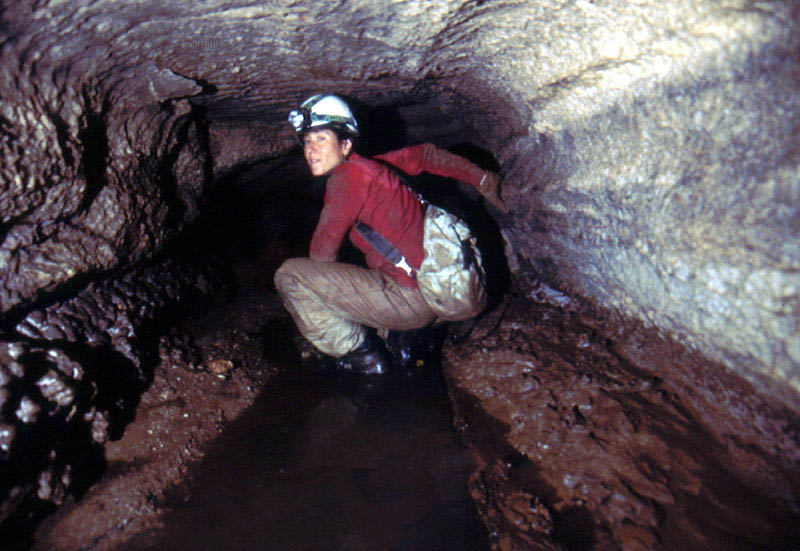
(324, 151)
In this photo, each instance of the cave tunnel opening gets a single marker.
(262, 211)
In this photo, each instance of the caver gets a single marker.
(422, 266)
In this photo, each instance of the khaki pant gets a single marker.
(331, 302)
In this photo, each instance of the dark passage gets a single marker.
(328, 464)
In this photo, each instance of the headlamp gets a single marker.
(300, 119)
(322, 111)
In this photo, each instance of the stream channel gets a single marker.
(324, 463)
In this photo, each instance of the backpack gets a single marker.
(451, 277)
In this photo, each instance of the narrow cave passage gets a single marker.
(317, 457)
(318, 460)
(636, 382)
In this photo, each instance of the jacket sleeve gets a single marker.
(429, 158)
(342, 205)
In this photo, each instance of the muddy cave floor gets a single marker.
(234, 447)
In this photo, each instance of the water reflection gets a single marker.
(328, 463)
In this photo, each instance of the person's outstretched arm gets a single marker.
(429, 158)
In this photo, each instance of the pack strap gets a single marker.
(384, 247)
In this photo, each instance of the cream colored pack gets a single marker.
(451, 277)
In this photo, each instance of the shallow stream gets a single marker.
(324, 463)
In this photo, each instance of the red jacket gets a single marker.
(366, 190)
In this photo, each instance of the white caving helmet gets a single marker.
(323, 111)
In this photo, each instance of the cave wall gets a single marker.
(666, 183)
(102, 158)
(103, 163)
(649, 148)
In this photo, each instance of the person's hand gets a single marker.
(490, 189)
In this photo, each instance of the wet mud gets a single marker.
(210, 370)
(596, 434)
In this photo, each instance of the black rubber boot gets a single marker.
(416, 348)
(367, 359)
